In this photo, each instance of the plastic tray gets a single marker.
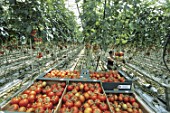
(88, 81)
(121, 86)
(82, 77)
(5, 107)
(142, 105)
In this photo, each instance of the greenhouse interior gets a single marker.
(85, 56)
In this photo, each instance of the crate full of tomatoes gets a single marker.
(40, 97)
(124, 103)
(84, 97)
(112, 80)
(64, 74)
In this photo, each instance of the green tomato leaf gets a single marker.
(131, 26)
(29, 29)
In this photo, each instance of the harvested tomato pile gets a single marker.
(63, 74)
(41, 97)
(84, 98)
(123, 103)
(111, 76)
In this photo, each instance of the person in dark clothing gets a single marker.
(110, 61)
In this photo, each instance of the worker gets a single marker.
(110, 61)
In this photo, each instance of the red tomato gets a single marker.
(70, 94)
(38, 90)
(47, 99)
(28, 106)
(94, 106)
(90, 102)
(15, 100)
(55, 99)
(13, 107)
(65, 98)
(70, 87)
(92, 89)
(26, 91)
(34, 105)
(97, 102)
(53, 86)
(31, 98)
(48, 105)
(58, 93)
(69, 103)
(103, 106)
(50, 94)
(74, 109)
(44, 91)
(32, 93)
(102, 97)
(93, 96)
(89, 92)
(63, 84)
(48, 89)
(86, 88)
(131, 99)
(111, 98)
(126, 99)
(78, 103)
(23, 102)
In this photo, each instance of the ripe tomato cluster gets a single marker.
(63, 74)
(84, 98)
(123, 103)
(39, 98)
(119, 54)
(33, 32)
(1, 52)
(111, 76)
(39, 55)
